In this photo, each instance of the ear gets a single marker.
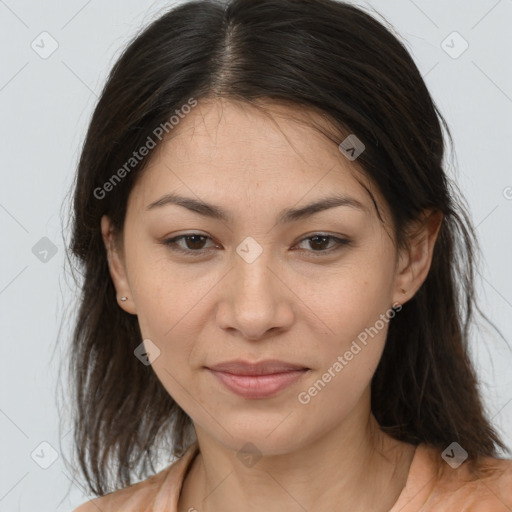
(116, 266)
(414, 263)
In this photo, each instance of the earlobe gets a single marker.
(116, 267)
(414, 263)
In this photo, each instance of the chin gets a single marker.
(260, 437)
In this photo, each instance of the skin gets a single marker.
(287, 304)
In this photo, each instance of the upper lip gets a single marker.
(268, 367)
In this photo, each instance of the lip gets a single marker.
(257, 380)
(267, 367)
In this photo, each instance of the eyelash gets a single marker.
(172, 244)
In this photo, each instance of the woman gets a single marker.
(278, 275)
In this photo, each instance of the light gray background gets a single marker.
(45, 107)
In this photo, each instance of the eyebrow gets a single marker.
(285, 216)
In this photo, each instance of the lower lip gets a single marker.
(258, 386)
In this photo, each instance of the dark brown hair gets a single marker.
(338, 61)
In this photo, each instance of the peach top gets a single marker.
(432, 486)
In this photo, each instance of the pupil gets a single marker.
(194, 237)
(313, 241)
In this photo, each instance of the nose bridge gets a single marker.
(255, 301)
(253, 279)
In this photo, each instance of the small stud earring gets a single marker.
(123, 299)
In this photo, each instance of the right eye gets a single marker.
(193, 243)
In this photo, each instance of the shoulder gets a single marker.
(480, 485)
(158, 492)
(132, 498)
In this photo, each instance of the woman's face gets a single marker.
(254, 285)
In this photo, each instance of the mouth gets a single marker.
(259, 380)
(267, 367)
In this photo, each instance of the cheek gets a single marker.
(355, 313)
(353, 299)
(163, 295)
(349, 363)
(352, 354)
(167, 304)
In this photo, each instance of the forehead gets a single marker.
(241, 137)
(237, 153)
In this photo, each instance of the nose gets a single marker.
(256, 301)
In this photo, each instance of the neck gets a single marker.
(355, 467)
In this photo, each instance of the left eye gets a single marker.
(320, 240)
(194, 243)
